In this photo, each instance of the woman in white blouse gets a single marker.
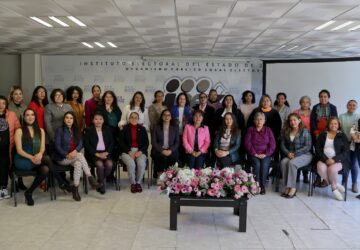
(137, 104)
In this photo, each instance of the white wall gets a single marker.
(9, 72)
(30, 74)
(342, 79)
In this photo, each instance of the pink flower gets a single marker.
(168, 183)
(194, 182)
(244, 189)
(198, 193)
(211, 192)
(237, 188)
(236, 196)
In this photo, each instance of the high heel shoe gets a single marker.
(65, 187)
(28, 199)
(93, 183)
(284, 194)
(290, 196)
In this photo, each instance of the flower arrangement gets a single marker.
(208, 182)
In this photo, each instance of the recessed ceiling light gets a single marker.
(354, 28)
(77, 21)
(112, 45)
(342, 25)
(55, 19)
(99, 44)
(324, 25)
(293, 47)
(41, 21)
(87, 45)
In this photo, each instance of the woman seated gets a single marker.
(30, 149)
(165, 143)
(196, 141)
(296, 147)
(260, 145)
(134, 145)
(98, 146)
(332, 152)
(227, 142)
(68, 144)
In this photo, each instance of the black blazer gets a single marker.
(341, 146)
(91, 140)
(157, 139)
(125, 139)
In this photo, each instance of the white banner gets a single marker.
(126, 75)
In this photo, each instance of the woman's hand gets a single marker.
(166, 152)
(138, 154)
(260, 156)
(329, 162)
(291, 155)
(71, 155)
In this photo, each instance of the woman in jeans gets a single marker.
(260, 145)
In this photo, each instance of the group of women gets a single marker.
(212, 133)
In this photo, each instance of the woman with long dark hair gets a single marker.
(74, 97)
(38, 102)
(68, 144)
(165, 143)
(227, 142)
(137, 104)
(30, 154)
(91, 104)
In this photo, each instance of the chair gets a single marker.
(66, 168)
(15, 173)
(343, 172)
(122, 164)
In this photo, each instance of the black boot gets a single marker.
(95, 185)
(65, 187)
(28, 193)
(28, 198)
(75, 192)
(20, 184)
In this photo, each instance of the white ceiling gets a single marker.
(221, 28)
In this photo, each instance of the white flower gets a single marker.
(163, 177)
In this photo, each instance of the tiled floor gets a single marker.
(121, 220)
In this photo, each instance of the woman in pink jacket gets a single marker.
(196, 141)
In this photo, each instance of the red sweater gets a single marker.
(39, 111)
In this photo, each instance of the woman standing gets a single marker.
(137, 104)
(8, 124)
(229, 105)
(347, 122)
(165, 143)
(282, 106)
(227, 142)
(332, 152)
(68, 144)
(38, 102)
(321, 113)
(54, 112)
(260, 145)
(16, 102)
(247, 105)
(91, 104)
(74, 97)
(296, 146)
(196, 141)
(30, 149)
(181, 115)
(156, 108)
(99, 144)
(134, 145)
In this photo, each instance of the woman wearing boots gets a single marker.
(68, 144)
(30, 147)
(99, 144)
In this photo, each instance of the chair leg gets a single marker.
(14, 189)
(118, 176)
(85, 183)
(149, 177)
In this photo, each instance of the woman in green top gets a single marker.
(30, 149)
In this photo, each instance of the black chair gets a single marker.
(15, 173)
(344, 172)
(66, 168)
(121, 164)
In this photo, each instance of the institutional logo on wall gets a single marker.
(126, 75)
(192, 87)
